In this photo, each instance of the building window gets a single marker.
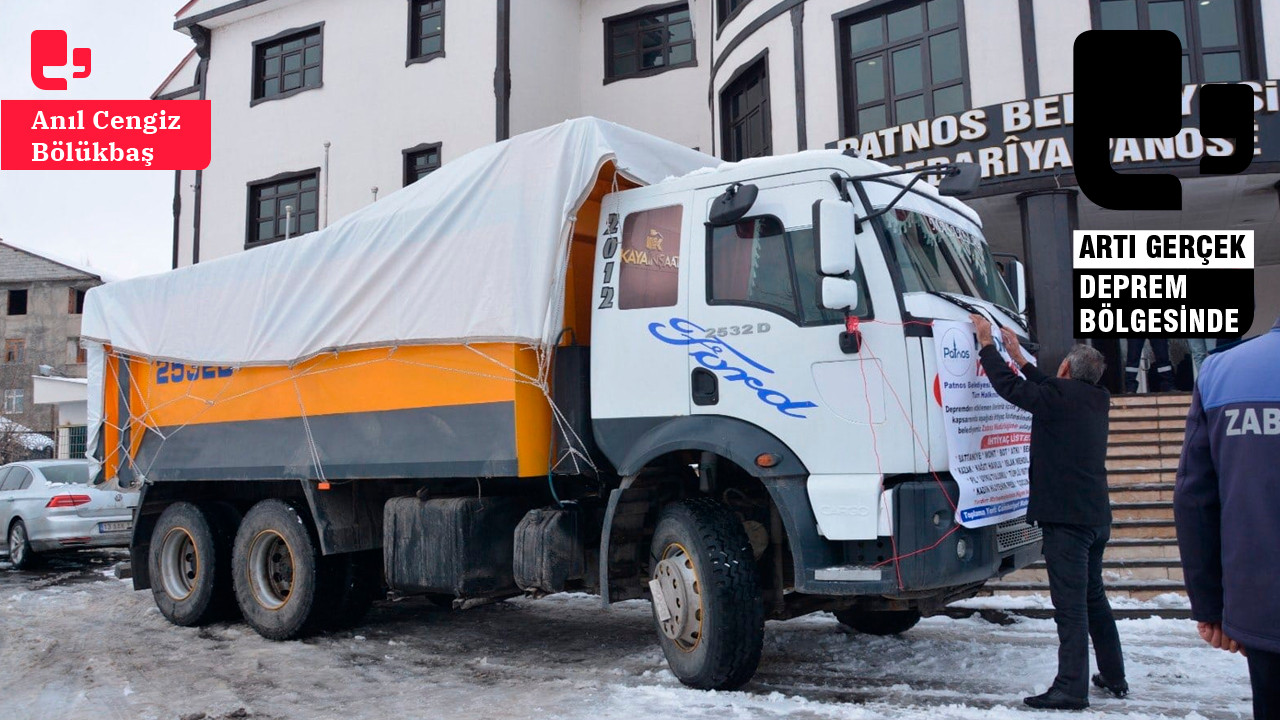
(426, 30)
(650, 272)
(727, 9)
(17, 302)
(15, 350)
(744, 114)
(421, 161)
(903, 64)
(1216, 41)
(757, 263)
(283, 207)
(14, 400)
(287, 64)
(73, 442)
(75, 353)
(75, 301)
(648, 42)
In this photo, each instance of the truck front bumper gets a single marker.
(927, 555)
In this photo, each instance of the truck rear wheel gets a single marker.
(707, 604)
(190, 565)
(881, 622)
(279, 582)
(357, 581)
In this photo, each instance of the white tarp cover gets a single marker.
(473, 252)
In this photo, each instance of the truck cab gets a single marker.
(790, 342)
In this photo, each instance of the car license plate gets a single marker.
(107, 527)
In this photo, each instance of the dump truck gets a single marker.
(581, 360)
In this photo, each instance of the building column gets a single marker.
(1048, 219)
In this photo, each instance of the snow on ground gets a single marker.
(1166, 601)
(77, 643)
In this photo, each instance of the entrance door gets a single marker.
(778, 362)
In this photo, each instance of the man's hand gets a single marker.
(1012, 346)
(1212, 633)
(984, 330)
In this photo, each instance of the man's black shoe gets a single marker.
(1055, 699)
(1119, 689)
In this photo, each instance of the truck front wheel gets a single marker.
(190, 565)
(277, 572)
(707, 602)
(882, 622)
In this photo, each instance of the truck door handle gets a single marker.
(705, 387)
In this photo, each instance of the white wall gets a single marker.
(370, 107)
(1271, 36)
(993, 36)
(776, 36)
(1058, 22)
(545, 41)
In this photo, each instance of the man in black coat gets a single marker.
(1069, 426)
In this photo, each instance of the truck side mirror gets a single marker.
(964, 181)
(834, 223)
(733, 204)
(839, 293)
(1015, 278)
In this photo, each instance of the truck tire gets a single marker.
(711, 623)
(357, 582)
(21, 556)
(190, 565)
(881, 622)
(280, 582)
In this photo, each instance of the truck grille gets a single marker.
(1016, 533)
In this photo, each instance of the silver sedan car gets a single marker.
(48, 505)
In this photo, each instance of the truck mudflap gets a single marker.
(928, 551)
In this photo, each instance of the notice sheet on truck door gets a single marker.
(988, 439)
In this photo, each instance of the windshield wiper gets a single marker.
(976, 310)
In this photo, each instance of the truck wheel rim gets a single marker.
(179, 564)
(681, 593)
(270, 569)
(17, 545)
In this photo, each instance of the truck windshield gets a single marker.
(935, 255)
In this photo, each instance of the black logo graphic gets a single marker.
(1128, 83)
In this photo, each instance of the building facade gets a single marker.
(43, 301)
(321, 106)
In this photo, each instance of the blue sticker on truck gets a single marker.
(720, 357)
(167, 372)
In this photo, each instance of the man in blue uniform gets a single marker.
(1226, 504)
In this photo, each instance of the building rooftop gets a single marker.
(20, 266)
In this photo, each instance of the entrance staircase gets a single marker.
(1142, 459)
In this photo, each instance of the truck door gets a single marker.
(640, 279)
(755, 292)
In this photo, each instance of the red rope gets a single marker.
(896, 559)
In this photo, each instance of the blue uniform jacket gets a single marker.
(1227, 500)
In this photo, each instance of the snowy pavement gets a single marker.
(77, 643)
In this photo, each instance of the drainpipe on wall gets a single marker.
(177, 212)
(203, 39)
(324, 221)
(502, 73)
